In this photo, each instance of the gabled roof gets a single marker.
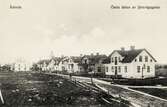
(106, 60)
(76, 59)
(64, 58)
(130, 55)
(46, 61)
(56, 59)
(95, 58)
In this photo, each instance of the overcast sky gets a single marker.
(72, 27)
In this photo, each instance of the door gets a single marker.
(116, 71)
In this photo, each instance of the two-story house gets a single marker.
(53, 64)
(43, 65)
(133, 63)
(70, 64)
(92, 63)
(20, 65)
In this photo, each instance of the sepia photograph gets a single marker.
(83, 53)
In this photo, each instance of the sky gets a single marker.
(74, 27)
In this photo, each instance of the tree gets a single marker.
(6, 67)
(35, 67)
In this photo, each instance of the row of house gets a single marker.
(133, 63)
(20, 65)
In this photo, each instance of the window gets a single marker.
(116, 69)
(106, 69)
(151, 60)
(125, 69)
(63, 68)
(112, 69)
(119, 59)
(116, 60)
(138, 69)
(140, 58)
(99, 69)
(146, 58)
(112, 59)
(85, 61)
(119, 68)
(135, 60)
(148, 68)
(72, 66)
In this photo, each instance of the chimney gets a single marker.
(132, 47)
(122, 49)
(97, 53)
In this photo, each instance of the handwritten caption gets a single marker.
(139, 7)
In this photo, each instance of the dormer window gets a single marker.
(146, 58)
(140, 58)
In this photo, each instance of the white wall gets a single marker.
(21, 67)
(110, 71)
(141, 64)
(67, 65)
(132, 67)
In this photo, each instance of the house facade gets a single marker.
(133, 63)
(42, 65)
(53, 64)
(70, 64)
(20, 66)
(92, 64)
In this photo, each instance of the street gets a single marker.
(137, 98)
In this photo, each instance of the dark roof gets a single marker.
(130, 55)
(64, 58)
(46, 61)
(76, 59)
(106, 60)
(56, 59)
(95, 58)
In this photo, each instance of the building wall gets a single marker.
(21, 67)
(144, 65)
(52, 66)
(69, 65)
(132, 71)
(111, 66)
(73, 67)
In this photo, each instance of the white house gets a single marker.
(21, 65)
(133, 63)
(53, 64)
(42, 64)
(69, 64)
